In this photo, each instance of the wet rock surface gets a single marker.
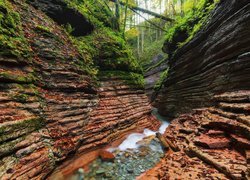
(207, 95)
(211, 142)
(51, 108)
(128, 164)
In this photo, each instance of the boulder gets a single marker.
(107, 156)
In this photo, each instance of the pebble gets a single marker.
(100, 171)
(127, 164)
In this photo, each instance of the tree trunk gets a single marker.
(125, 18)
(182, 12)
(142, 40)
(144, 11)
(117, 13)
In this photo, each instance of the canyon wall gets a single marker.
(52, 105)
(153, 74)
(216, 60)
(208, 93)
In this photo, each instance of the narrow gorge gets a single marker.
(73, 99)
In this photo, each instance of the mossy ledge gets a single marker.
(17, 129)
(12, 40)
(134, 80)
(51, 103)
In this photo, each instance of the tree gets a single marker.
(136, 8)
(125, 18)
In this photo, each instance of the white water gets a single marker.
(163, 127)
(131, 141)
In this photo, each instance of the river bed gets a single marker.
(136, 154)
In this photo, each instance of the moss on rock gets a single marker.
(12, 131)
(12, 40)
(134, 80)
(187, 26)
(22, 79)
(104, 49)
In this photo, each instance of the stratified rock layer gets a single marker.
(215, 61)
(209, 143)
(121, 108)
(153, 74)
(51, 108)
(208, 93)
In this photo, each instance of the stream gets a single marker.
(136, 154)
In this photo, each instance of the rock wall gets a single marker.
(121, 109)
(51, 107)
(209, 143)
(215, 61)
(153, 74)
(208, 89)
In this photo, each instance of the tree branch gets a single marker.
(130, 6)
(149, 21)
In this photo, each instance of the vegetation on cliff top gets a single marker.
(186, 25)
(12, 41)
(105, 44)
(147, 38)
(103, 50)
(105, 47)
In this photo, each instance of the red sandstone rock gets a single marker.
(241, 142)
(212, 138)
(212, 142)
(107, 156)
(212, 132)
(63, 112)
(146, 141)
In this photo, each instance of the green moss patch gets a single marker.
(96, 11)
(160, 82)
(187, 26)
(12, 131)
(132, 79)
(12, 40)
(8, 77)
(104, 48)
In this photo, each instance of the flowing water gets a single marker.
(136, 154)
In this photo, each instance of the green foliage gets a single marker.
(12, 41)
(43, 29)
(6, 76)
(46, 31)
(69, 28)
(108, 50)
(104, 47)
(183, 24)
(152, 42)
(132, 79)
(187, 26)
(150, 51)
(156, 65)
(160, 82)
(95, 11)
(21, 98)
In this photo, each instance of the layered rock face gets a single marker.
(121, 109)
(215, 61)
(208, 87)
(153, 73)
(209, 143)
(51, 108)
